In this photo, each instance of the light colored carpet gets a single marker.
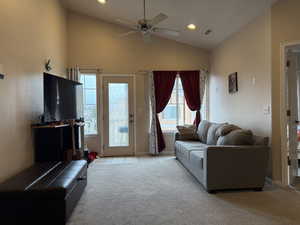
(159, 191)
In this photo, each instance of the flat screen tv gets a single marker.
(62, 99)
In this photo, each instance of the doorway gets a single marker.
(290, 104)
(118, 115)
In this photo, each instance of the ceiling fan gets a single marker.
(148, 27)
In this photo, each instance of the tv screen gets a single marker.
(62, 99)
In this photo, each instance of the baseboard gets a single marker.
(275, 183)
(164, 153)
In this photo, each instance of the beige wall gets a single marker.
(285, 28)
(31, 32)
(248, 53)
(92, 42)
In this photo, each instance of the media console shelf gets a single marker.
(50, 126)
(59, 142)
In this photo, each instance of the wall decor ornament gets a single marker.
(48, 66)
(233, 83)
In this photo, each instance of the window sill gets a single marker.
(168, 132)
(91, 135)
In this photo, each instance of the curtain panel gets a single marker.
(191, 87)
(162, 87)
(202, 85)
(161, 84)
(153, 148)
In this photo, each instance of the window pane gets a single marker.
(90, 81)
(118, 114)
(181, 114)
(90, 103)
(90, 119)
(90, 97)
(176, 112)
(170, 112)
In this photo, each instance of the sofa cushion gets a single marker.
(186, 147)
(226, 129)
(212, 136)
(187, 132)
(237, 137)
(196, 158)
(202, 130)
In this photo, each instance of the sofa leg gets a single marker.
(258, 189)
(212, 192)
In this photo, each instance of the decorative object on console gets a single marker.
(233, 83)
(48, 66)
(73, 74)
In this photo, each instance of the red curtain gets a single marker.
(190, 83)
(163, 82)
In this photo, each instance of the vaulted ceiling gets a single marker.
(223, 17)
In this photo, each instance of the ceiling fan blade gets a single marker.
(158, 19)
(147, 37)
(127, 22)
(166, 31)
(128, 33)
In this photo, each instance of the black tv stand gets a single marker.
(61, 141)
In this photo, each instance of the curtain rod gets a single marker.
(140, 72)
(147, 71)
(99, 70)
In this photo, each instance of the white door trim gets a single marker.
(283, 110)
(101, 109)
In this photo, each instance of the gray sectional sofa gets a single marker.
(223, 156)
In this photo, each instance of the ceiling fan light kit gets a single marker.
(191, 26)
(102, 1)
(148, 27)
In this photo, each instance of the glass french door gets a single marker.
(293, 86)
(118, 117)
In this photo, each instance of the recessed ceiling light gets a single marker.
(102, 1)
(191, 26)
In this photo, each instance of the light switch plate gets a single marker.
(253, 80)
(267, 109)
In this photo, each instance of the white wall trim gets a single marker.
(101, 111)
(164, 153)
(283, 109)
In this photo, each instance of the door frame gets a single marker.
(283, 110)
(101, 109)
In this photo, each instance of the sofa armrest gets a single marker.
(234, 166)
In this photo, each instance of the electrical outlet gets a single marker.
(267, 110)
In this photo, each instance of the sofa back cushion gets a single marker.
(188, 132)
(212, 135)
(202, 130)
(237, 137)
(226, 129)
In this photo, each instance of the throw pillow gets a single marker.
(226, 129)
(237, 137)
(202, 130)
(187, 132)
(212, 136)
